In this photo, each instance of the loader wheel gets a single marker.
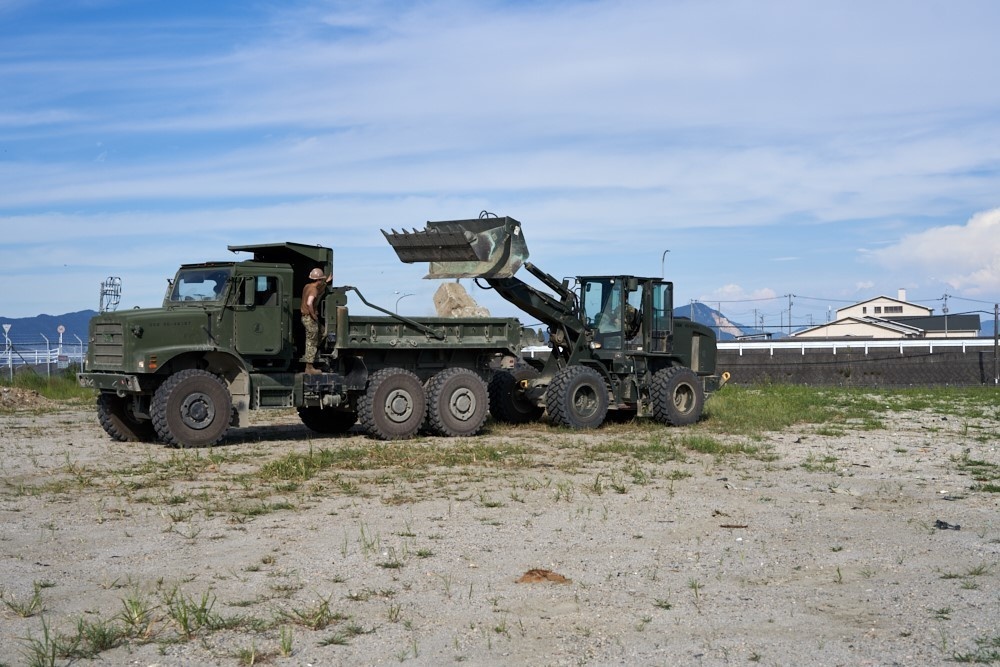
(577, 398)
(507, 402)
(328, 420)
(192, 408)
(394, 405)
(677, 396)
(457, 403)
(116, 417)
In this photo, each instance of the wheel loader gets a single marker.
(616, 348)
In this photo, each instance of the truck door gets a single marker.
(261, 322)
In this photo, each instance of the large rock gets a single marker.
(451, 300)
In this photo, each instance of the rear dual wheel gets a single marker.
(393, 406)
(457, 403)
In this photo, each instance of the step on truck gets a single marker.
(616, 347)
(228, 339)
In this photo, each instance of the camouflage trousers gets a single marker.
(312, 339)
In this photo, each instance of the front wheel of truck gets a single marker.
(118, 420)
(192, 408)
(393, 406)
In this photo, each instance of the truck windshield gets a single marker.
(203, 284)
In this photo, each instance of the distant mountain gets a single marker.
(33, 328)
(724, 328)
(987, 329)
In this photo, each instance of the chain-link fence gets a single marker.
(39, 354)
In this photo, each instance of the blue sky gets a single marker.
(834, 151)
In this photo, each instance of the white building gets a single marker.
(885, 317)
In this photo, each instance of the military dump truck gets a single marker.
(616, 347)
(228, 339)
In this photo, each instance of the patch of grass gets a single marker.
(315, 617)
(985, 474)
(706, 444)
(987, 651)
(408, 455)
(27, 607)
(755, 410)
(656, 450)
(62, 386)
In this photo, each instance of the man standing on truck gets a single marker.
(310, 316)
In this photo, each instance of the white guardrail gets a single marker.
(976, 344)
(964, 344)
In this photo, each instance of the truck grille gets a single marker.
(108, 345)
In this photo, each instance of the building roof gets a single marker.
(888, 298)
(875, 322)
(941, 322)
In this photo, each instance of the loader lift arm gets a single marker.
(491, 249)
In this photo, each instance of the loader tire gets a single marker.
(192, 408)
(507, 403)
(393, 406)
(457, 403)
(329, 421)
(677, 395)
(577, 398)
(116, 417)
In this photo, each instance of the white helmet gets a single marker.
(316, 274)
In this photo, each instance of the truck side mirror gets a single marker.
(249, 292)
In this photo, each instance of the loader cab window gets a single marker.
(200, 284)
(662, 303)
(602, 310)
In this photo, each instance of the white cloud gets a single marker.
(737, 293)
(966, 257)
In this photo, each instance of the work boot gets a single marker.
(312, 370)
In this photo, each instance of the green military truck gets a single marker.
(228, 339)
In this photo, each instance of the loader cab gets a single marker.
(627, 313)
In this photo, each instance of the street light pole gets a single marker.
(663, 258)
(400, 299)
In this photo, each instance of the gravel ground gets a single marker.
(817, 546)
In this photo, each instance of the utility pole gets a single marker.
(944, 309)
(996, 343)
(790, 313)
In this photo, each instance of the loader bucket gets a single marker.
(477, 248)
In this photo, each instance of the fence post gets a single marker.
(48, 357)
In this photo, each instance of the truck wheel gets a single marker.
(116, 417)
(457, 403)
(507, 402)
(328, 420)
(677, 396)
(192, 408)
(577, 398)
(393, 406)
